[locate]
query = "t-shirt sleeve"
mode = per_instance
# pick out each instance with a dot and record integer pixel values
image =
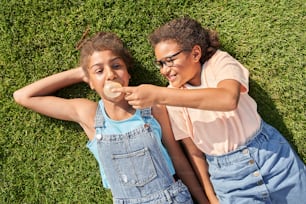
(178, 122)
(227, 67)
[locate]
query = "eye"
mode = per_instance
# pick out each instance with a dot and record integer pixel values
(169, 60)
(116, 66)
(98, 71)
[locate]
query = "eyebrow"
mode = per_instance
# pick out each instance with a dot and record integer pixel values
(99, 64)
(170, 56)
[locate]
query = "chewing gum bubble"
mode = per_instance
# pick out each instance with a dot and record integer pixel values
(108, 86)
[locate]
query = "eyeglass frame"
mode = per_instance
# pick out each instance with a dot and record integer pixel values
(169, 62)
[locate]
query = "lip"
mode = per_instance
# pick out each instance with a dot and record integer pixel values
(171, 77)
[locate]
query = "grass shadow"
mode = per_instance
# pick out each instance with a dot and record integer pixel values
(143, 75)
(269, 112)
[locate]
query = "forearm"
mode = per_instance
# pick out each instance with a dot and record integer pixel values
(200, 166)
(49, 84)
(181, 164)
(206, 99)
(187, 175)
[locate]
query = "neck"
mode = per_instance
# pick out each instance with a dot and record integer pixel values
(118, 111)
(196, 80)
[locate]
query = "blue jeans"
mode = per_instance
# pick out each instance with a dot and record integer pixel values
(264, 170)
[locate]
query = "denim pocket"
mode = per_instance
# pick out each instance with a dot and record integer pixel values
(135, 168)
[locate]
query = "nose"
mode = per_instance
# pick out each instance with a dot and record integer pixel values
(111, 74)
(164, 69)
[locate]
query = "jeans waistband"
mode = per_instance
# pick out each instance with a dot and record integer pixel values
(242, 151)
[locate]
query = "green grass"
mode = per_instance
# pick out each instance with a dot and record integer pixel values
(46, 161)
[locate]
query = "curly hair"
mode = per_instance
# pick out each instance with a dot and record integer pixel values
(187, 33)
(104, 41)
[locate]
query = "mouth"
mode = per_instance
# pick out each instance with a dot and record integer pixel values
(171, 77)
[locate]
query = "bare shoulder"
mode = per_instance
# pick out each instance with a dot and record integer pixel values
(86, 111)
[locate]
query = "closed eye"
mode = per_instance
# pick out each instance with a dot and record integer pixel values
(116, 66)
(99, 70)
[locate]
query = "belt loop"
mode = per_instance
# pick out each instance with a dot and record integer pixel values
(217, 162)
(167, 195)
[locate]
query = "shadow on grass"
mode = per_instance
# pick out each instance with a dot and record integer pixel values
(143, 75)
(269, 112)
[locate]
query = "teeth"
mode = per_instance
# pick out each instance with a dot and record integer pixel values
(108, 86)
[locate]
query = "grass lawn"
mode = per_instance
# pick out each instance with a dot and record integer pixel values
(46, 161)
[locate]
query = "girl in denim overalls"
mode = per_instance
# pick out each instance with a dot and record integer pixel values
(127, 143)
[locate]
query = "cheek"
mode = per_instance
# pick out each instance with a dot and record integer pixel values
(96, 81)
(98, 77)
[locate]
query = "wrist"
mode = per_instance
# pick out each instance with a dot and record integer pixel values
(161, 96)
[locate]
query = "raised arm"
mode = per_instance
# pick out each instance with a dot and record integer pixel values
(223, 98)
(38, 97)
(180, 162)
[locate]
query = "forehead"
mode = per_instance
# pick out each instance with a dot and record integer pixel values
(166, 48)
(101, 57)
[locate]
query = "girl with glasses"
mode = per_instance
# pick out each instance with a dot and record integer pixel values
(211, 111)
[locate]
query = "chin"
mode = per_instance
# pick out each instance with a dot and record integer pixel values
(175, 85)
(115, 99)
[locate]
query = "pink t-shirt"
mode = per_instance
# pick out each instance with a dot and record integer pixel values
(216, 132)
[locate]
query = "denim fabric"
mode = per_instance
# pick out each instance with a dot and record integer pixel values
(177, 193)
(140, 117)
(265, 170)
(135, 167)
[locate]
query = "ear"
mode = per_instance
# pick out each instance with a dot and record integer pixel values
(196, 53)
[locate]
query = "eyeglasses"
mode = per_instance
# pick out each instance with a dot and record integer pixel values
(169, 61)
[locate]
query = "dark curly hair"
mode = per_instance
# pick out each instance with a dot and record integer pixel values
(187, 33)
(104, 41)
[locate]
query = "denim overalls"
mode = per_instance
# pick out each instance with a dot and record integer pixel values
(134, 165)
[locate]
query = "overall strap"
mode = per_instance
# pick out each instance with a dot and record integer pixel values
(146, 113)
(99, 119)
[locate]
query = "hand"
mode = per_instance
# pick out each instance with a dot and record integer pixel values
(83, 75)
(141, 96)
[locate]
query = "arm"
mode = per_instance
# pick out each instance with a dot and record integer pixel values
(223, 98)
(200, 166)
(37, 97)
(180, 162)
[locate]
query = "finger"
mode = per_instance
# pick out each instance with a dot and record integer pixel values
(136, 107)
(125, 89)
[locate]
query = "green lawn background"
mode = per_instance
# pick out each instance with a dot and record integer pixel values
(46, 161)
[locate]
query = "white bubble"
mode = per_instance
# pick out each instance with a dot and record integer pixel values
(108, 86)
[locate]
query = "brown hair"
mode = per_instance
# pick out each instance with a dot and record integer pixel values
(187, 33)
(104, 41)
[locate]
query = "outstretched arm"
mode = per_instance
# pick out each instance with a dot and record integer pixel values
(223, 98)
(38, 97)
(180, 162)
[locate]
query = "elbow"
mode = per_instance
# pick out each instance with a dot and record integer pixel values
(18, 97)
(231, 103)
